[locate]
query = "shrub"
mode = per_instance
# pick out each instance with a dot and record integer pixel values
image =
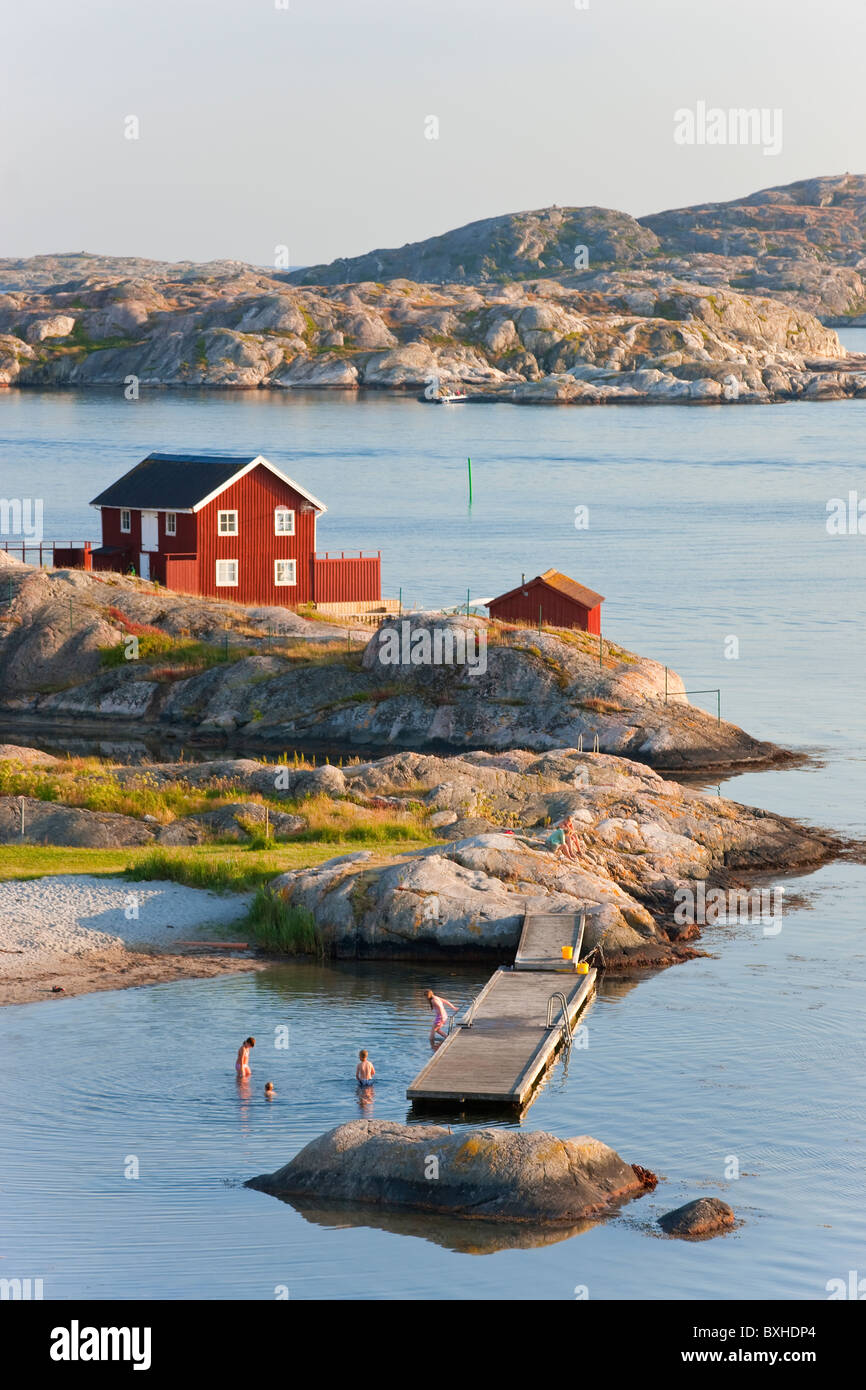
(285, 927)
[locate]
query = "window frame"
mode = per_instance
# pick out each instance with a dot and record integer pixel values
(231, 511)
(286, 583)
(284, 511)
(125, 512)
(227, 583)
(171, 530)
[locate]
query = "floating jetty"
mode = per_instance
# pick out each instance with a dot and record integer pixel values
(504, 1042)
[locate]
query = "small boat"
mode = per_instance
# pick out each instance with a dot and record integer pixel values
(449, 398)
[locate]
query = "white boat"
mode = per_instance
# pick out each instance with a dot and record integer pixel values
(449, 398)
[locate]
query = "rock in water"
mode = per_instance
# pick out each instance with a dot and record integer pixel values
(707, 1216)
(483, 1174)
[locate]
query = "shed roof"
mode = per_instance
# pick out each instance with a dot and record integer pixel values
(554, 579)
(185, 482)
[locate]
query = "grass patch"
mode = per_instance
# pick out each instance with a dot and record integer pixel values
(91, 786)
(155, 646)
(221, 868)
(284, 927)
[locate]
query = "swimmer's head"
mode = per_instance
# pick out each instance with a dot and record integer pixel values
(269, 1086)
(363, 1054)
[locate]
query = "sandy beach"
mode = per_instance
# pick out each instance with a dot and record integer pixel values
(86, 933)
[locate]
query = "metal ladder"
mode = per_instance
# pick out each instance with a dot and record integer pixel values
(564, 1023)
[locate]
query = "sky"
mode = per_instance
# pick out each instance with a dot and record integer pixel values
(304, 124)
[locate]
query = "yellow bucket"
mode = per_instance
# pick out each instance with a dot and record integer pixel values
(582, 967)
(567, 952)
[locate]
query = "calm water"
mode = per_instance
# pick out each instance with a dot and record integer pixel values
(704, 524)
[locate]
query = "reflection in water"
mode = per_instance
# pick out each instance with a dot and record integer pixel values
(453, 1233)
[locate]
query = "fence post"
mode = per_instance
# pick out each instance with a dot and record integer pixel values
(666, 685)
(600, 661)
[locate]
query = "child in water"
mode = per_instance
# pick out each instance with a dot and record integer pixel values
(364, 1071)
(269, 1090)
(242, 1064)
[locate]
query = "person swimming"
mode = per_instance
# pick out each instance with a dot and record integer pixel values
(269, 1090)
(440, 1007)
(364, 1071)
(242, 1063)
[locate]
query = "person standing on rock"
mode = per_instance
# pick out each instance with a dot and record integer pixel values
(440, 1007)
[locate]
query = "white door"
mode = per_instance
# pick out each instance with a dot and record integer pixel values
(149, 531)
(144, 565)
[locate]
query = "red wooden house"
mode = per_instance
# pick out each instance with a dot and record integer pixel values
(233, 528)
(553, 599)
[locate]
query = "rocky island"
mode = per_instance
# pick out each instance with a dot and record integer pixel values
(208, 670)
(719, 304)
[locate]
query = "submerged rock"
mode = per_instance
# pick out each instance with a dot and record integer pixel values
(706, 1216)
(483, 1174)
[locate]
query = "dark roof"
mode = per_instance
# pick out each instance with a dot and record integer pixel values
(587, 598)
(171, 482)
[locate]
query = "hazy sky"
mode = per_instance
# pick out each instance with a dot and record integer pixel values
(262, 126)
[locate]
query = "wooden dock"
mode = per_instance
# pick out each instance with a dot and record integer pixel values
(504, 1042)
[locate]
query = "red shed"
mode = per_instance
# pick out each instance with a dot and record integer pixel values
(550, 598)
(234, 528)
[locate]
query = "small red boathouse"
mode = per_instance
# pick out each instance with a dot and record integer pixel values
(553, 599)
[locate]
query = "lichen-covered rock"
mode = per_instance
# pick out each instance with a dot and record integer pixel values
(643, 838)
(484, 1175)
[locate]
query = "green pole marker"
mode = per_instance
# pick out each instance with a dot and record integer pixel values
(600, 662)
(467, 603)
(666, 685)
(469, 466)
(401, 598)
(719, 705)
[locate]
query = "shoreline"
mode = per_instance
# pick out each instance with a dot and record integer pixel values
(86, 933)
(110, 728)
(117, 969)
(495, 396)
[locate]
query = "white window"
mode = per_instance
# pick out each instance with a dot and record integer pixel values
(227, 523)
(285, 572)
(284, 522)
(125, 520)
(227, 574)
(171, 523)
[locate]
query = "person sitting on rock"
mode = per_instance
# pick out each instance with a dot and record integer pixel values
(564, 842)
